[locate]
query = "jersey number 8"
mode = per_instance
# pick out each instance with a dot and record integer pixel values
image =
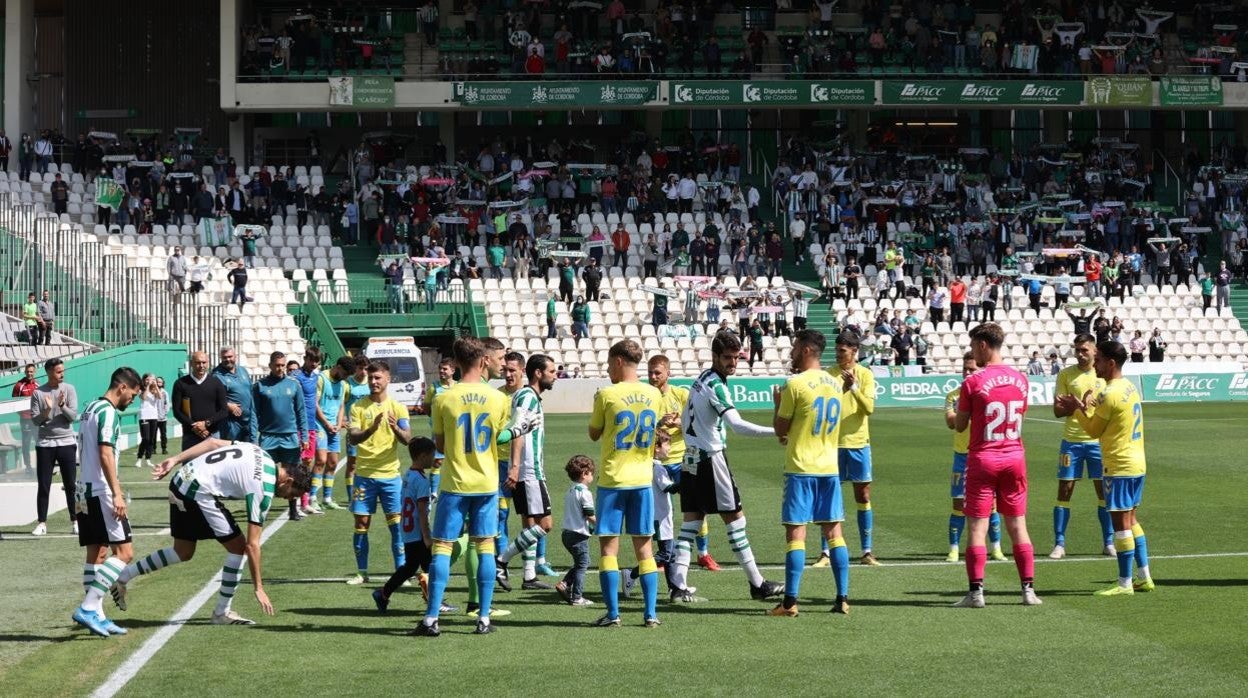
(642, 424)
(478, 436)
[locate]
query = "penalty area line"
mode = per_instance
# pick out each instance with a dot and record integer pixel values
(132, 666)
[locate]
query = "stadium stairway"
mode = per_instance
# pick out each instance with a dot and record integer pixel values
(819, 315)
(367, 311)
(1239, 302)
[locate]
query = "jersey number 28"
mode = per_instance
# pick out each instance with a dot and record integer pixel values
(636, 430)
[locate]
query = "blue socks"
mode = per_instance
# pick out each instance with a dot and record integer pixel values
(1107, 524)
(485, 578)
(360, 543)
(396, 539)
(840, 566)
(649, 586)
(994, 528)
(609, 578)
(866, 518)
(794, 564)
(439, 573)
(957, 524)
(1061, 517)
(541, 550)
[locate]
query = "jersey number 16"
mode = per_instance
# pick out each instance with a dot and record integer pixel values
(478, 436)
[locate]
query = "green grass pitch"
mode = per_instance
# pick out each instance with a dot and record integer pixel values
(901, 638)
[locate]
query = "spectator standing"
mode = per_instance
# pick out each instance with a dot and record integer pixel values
(176, 267)
(149, 411)
(25, 157)
(238, 278)
(620, 242)
(394, 288)
(1137, 347)
(60, 194)
(47, 316)
(957, 299)
(162, 416)
(43, 152)
(54, 409)
(24, 388)
(428, 14)
(1055, 364)
(592, 276)
(567, 276)
(6, 147)
(30, 317)
(200, 403)
(580, 319)
(1206, 291)
(936, 300)
(1222, 282)
(1156, 347)
(1035, 367)
(552, 314)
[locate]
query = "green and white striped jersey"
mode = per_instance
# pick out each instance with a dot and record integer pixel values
(526, 411)
(703, 421)
(99, 426)
(238, 471)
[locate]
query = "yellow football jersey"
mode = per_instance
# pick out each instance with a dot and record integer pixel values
(378, 455)
(1073, 380)
(856, 407)
(811, 401)
(674, 400)
(628, 415)
(1122, 442)
(469, 417)
(503, 451)
(961, 439)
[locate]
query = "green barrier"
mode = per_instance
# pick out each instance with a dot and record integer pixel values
(90, 374)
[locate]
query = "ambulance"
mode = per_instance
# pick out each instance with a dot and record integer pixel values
(407, 373)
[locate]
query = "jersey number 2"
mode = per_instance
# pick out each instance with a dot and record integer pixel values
(1137, 430)
(999, 413)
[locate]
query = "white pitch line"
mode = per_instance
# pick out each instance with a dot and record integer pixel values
(16, 537)
(883, 565)
(128, 670)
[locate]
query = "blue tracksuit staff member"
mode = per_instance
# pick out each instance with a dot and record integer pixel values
(278, 423)
(238, 394)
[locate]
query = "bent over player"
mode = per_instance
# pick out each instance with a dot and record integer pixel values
(209, 472)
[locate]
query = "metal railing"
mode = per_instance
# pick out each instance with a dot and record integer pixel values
(100, 298)
(314, 325)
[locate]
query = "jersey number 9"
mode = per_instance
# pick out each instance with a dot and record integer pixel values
(827, 414)
(636, 430)
(478, 436)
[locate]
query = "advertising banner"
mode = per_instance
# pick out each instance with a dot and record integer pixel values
(1199, 91)
(911, 391)
(763, 93)
(1193, 387)
(555, 95)
(1119, 92)
(362, 91)
(982, 92)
